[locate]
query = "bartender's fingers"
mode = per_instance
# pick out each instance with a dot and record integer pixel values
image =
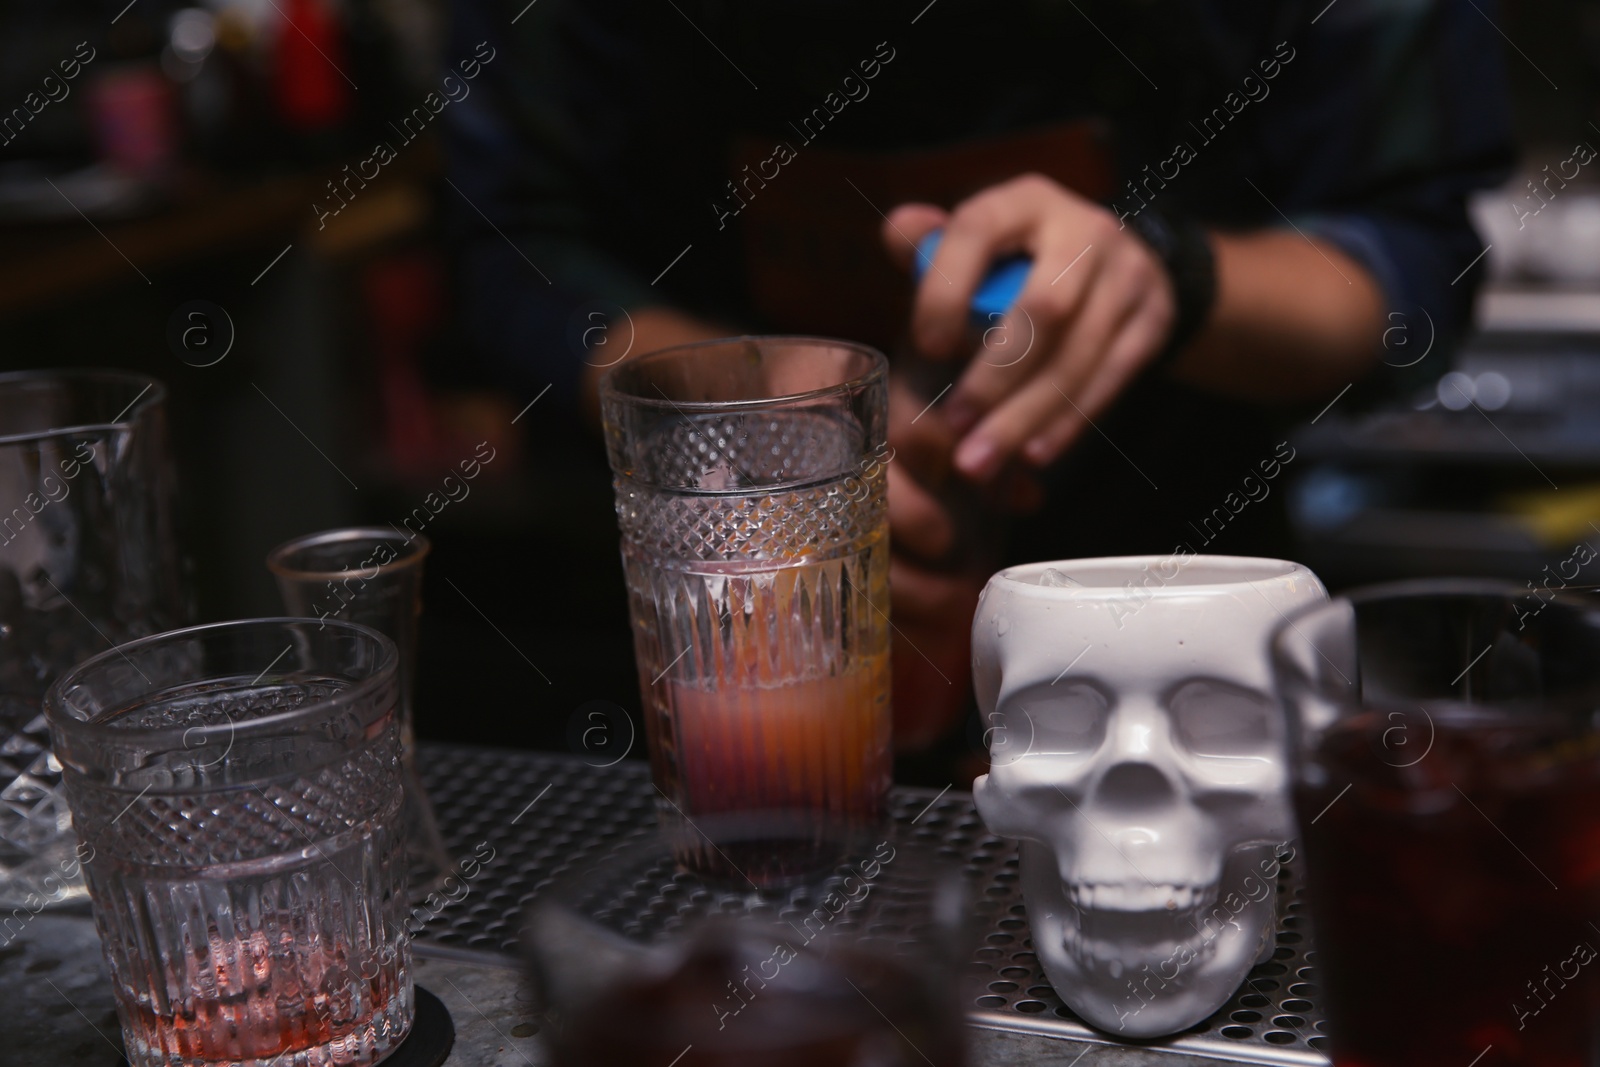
(905, 227)
(1038, 402)
(1093, 361)
(1143, 334)
(918, 523)
(1122, 289)
(920, 596)
(1025, 342)
(1000, 220)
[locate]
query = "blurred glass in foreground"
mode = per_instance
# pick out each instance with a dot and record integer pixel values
(1448, 794)
(639, 963)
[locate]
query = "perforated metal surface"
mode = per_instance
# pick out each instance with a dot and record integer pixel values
(541, 814)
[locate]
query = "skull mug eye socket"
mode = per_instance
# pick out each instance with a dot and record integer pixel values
(1065, 719)
(1216, 718)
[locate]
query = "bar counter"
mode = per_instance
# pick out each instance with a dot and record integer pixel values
(517, 820)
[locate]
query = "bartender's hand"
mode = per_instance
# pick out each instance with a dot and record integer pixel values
(933, 596)
(924, 443)
(1096, 308)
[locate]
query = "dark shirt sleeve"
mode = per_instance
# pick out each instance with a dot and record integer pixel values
(585, 164)
(1393, 115)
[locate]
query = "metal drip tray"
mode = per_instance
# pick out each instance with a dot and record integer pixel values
(524, 818)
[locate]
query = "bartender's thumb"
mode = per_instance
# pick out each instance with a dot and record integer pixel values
(905, 227)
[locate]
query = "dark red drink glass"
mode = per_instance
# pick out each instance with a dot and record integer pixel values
(1447, 785)
(639, 962)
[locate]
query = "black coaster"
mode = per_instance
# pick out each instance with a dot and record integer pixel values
(428, 1044)
(431, 1038)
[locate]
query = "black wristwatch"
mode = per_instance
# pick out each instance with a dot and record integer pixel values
(1185, 250)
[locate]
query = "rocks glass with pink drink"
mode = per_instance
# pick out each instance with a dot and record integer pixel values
(236, 788)
(750, 477)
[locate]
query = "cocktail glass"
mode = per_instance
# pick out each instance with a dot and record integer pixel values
(88, 559)
(750, 477)
(1447, 768)
(373, 576)
(855, 965)
(236, 788)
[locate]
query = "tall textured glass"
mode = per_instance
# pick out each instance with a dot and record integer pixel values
(750, 477)
(88, 558)
(236, 789)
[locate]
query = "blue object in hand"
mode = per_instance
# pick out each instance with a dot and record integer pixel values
(996, 292)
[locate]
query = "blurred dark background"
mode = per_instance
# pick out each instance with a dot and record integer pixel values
(168, 179)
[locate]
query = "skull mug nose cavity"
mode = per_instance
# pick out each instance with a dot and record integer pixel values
(1134, 788)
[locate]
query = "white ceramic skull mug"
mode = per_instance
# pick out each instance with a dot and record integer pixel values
(1137, 752)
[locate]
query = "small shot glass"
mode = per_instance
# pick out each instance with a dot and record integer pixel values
(372, 575)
